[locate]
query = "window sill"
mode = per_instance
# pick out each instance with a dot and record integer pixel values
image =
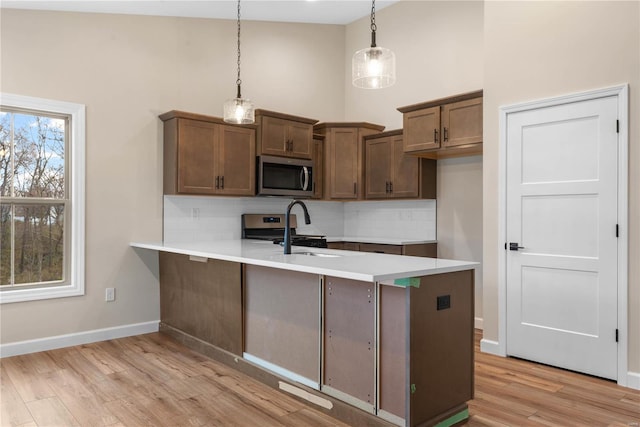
(34, 294)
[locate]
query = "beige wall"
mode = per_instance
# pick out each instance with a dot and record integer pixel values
(438, 47)
(535, 50)
(127, 70)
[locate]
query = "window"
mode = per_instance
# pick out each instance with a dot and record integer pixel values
(41, 198)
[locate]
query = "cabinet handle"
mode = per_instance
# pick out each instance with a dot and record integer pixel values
(390, 186)
(217, 182)
(222, 182)
(445, 134)
(355, 188)
(435, 135)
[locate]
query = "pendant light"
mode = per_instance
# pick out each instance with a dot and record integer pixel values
(373, 67)
(238, 110)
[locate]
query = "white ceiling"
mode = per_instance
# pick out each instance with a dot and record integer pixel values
(307, 11)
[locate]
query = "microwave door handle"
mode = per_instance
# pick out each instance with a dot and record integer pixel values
(304, 178)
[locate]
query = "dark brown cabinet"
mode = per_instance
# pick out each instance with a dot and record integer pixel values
(344, 158)
(429, 250)
(390, 173)
(204, 155)
(444, 127)
(426, 361)
(202, 298)
(284, 135)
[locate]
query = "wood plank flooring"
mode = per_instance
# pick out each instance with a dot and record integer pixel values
(153, 380)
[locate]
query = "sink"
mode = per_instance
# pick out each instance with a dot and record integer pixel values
(320, 254)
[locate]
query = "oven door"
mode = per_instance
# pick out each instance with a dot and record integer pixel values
(281, 176)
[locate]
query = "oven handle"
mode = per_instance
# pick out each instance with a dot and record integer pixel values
(304, 178)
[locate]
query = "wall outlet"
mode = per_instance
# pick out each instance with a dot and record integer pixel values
(110, 294)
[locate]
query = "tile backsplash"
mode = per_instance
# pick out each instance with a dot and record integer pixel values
(405, 219)
(201, 218)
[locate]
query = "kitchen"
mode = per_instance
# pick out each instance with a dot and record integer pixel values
(137, 68)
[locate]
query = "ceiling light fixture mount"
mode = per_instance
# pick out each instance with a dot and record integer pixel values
(238, 110)
(375, 66)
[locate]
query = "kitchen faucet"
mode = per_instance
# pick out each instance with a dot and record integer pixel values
(287, 224)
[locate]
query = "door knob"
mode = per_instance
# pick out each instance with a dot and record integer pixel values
(514, 246)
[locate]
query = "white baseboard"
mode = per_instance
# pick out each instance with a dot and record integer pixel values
(478, 323)
(491, 347)
(633, 380)
(79, 338)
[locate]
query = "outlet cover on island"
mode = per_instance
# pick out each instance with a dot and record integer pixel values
(110, 294)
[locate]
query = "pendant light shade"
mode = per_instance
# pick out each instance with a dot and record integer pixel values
(239, 110)
(373, 67)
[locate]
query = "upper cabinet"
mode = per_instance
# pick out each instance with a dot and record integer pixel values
(444, 127)
(344, 158)
(284, 135)
(318, 166)
(390, 173)
(205, 155)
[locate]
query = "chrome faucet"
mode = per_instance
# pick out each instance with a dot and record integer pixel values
(287, 224)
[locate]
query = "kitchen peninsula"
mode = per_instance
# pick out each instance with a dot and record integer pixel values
(370, 338)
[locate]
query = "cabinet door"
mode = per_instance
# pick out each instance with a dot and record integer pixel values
(349, 341)
(405, 180)
(343, 163)
(196, 156)
(300, 138)
(462, 123)
(236, 161)
(378, 167)
(273, 139)
(422, 129)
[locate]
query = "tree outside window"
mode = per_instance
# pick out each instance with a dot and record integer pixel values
(33, 203)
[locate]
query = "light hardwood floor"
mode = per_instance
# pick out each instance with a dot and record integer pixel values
(153, 380)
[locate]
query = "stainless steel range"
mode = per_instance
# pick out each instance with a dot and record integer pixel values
(271, 227)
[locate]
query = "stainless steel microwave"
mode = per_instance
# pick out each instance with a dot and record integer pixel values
(283, 176)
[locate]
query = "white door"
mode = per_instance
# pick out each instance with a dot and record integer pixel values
(562, 211)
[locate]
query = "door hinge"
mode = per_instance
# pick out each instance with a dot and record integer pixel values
(616, 335)
(617, 230)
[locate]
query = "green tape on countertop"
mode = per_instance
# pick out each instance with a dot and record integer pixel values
(408, 281)
(462, 415)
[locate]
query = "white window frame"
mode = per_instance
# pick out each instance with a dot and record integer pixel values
(74, 282)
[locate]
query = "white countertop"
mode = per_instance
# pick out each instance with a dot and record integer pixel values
(363, 266)
(379, 240)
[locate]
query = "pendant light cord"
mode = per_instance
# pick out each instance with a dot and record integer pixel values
(374, 27)
(238, 81)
